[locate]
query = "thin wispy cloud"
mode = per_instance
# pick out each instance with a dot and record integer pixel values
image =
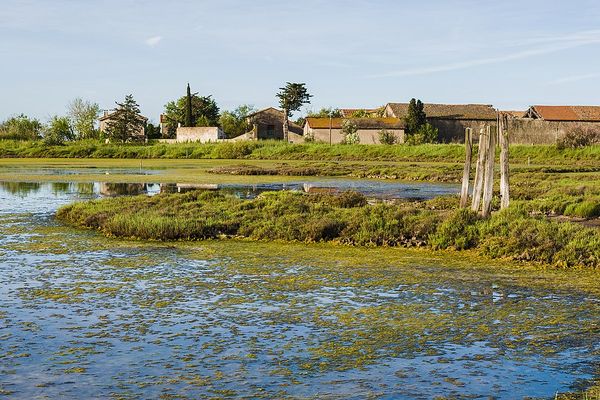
(559, 43)
(153, 41)
(574, 78)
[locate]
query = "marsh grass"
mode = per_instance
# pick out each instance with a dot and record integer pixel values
(344, 219)
(277, 150)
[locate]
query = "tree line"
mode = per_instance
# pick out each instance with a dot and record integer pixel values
(127, 124)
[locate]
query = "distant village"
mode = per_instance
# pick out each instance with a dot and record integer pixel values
(539, 124)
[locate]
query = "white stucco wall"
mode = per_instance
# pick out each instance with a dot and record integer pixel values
(201, 134)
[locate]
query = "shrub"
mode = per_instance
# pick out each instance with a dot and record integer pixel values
(426, 134)
(386, 137)
(350, 131)
(459, 231)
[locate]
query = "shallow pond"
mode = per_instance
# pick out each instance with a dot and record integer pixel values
(84, 316)
(371, 189)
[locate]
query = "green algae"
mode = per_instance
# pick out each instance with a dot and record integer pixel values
(236, 285)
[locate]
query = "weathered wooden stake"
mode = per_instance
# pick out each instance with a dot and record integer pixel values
(504, 179)
(478, 181)
(464, 192)
(488, 185)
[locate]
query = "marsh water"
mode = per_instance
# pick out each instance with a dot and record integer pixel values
(85, 316)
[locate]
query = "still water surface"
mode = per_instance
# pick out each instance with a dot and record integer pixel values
(83, 316)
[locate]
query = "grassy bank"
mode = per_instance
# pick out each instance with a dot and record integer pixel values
(343, 219)
(277, 150)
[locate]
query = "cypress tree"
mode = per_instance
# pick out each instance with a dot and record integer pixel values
(188, 108)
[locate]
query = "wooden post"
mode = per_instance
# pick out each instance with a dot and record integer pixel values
(464, 192)
(478, 181)
(488, 185)
(504, 180)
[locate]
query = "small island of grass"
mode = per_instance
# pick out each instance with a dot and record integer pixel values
(345, 218)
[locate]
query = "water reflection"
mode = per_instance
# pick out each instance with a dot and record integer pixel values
(378, 190)
(122, 189)
(20, 189)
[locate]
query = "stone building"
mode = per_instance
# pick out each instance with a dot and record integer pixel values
(268, 124)
(450, 119)
(197, 134)
(549, 124)
(329, 130)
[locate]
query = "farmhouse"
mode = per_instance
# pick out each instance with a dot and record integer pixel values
(329, 130)
(268, 124)
(108, 116)
(549, 124)
(450, 119)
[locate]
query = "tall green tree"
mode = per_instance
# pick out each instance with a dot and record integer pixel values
(126, 123)
(20, 127)
(152, 131)
(205, 112)
(235, 123)
(83, 115)
(415, 117)
(325, 112)
(188, 107)
(291, 97)
(58, 131)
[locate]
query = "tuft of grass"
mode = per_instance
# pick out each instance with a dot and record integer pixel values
(585, 209)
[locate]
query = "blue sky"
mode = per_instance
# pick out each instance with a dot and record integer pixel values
(358, 53)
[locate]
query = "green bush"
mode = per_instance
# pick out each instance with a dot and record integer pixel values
(459, 231)
(387, 137)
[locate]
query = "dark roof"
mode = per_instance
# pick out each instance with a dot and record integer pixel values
(514, 114)
(449, 111)
(565, 113)
(109, 115)
(361, 123)
(268, 109)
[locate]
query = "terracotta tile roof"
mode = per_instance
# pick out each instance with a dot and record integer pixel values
(567, 113)
(449, 111)
(361, 123)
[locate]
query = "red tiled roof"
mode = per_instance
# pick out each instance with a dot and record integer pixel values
(361, 123)
(568, 113)
(449, 111)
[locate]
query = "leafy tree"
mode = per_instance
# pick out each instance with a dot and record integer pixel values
(234, 123)
(291, 98)
(205, 112)
(20, 127)
(152, 131)
(415, 117)
(58, 131)
(325, 112)
(126, 122)
(350, 131)
(83, 115)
